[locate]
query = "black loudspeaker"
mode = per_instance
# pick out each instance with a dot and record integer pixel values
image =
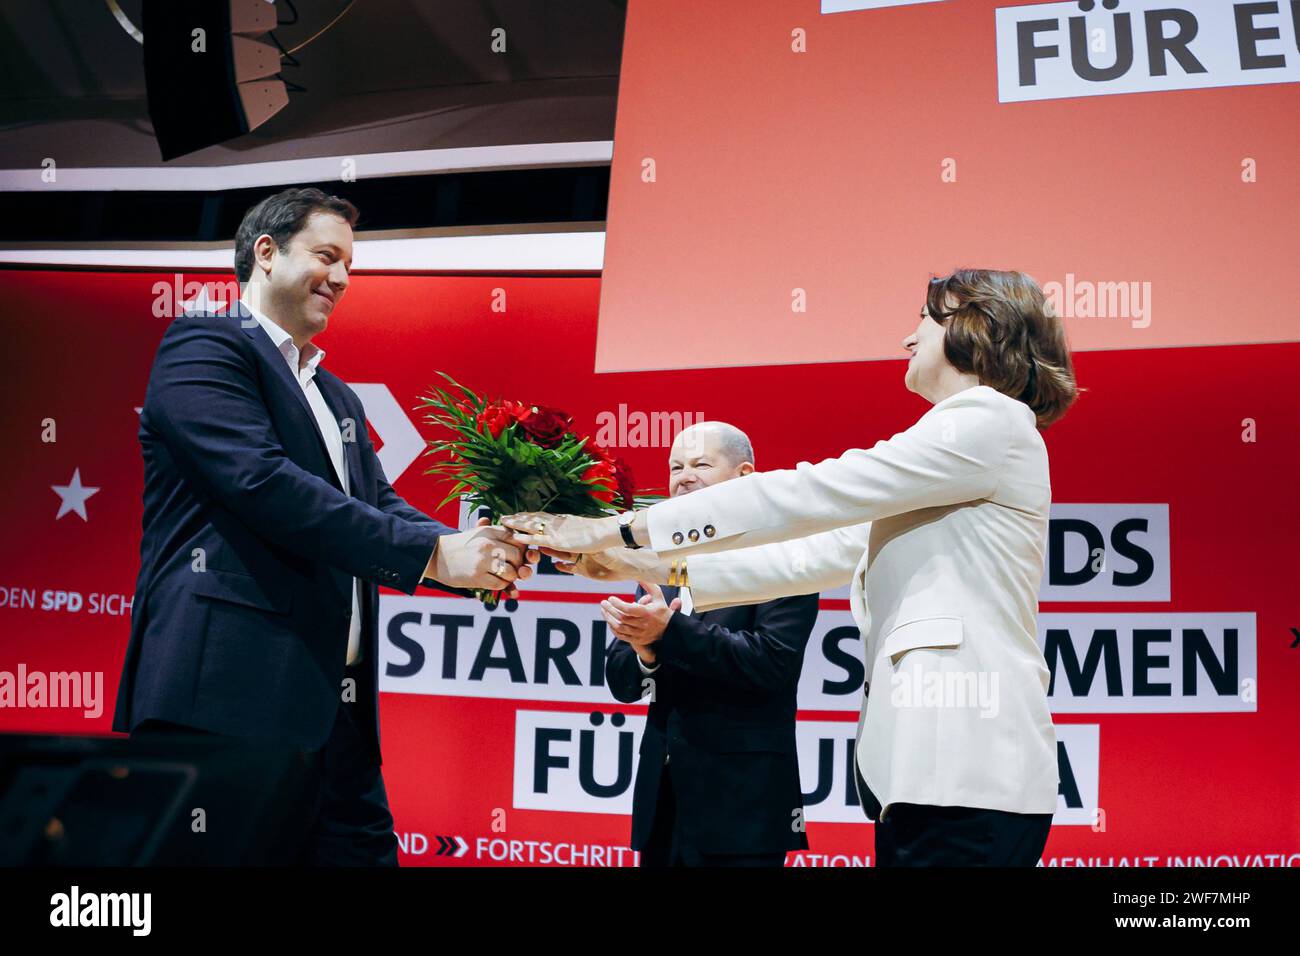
(156, 800)
(206, 79)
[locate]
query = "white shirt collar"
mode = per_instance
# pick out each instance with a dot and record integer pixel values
(283, 341)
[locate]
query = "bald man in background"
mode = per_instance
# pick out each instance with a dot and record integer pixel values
(718, 782)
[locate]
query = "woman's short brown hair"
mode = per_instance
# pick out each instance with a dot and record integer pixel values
(1000, 327)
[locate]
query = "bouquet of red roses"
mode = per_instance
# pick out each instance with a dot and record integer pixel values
(508, 457)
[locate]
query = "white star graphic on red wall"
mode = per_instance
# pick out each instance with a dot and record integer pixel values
(72, 496)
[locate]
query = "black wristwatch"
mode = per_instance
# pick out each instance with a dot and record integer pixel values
(625, 529)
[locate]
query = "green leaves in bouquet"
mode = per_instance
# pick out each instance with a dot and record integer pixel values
(507, 473)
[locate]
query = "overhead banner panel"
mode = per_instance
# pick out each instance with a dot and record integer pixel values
(787, 174)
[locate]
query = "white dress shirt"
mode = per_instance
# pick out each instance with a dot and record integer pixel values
(329, 429)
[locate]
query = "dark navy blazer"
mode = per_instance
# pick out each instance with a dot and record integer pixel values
(240, 619)
(722, 719)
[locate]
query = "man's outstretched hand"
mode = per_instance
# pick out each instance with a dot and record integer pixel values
(483, 557)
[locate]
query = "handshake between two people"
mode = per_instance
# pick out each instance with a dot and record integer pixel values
(594, 548)
(495, 557)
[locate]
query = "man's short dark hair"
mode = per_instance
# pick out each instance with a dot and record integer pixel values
(282, 217)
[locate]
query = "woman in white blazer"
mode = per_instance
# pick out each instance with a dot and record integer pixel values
(941, 531)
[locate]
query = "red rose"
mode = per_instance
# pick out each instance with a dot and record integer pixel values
(603, 480)
(493, 420)
(545, 426)
(626, 488)
(598, 453)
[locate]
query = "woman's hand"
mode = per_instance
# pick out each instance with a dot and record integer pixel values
(537, 529)
(614, 564)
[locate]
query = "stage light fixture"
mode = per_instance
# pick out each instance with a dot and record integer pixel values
(207, 79)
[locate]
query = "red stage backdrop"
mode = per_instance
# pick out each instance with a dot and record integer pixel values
(1167, 610)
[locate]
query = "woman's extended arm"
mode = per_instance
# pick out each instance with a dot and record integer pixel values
(952, 454)
(818, 562)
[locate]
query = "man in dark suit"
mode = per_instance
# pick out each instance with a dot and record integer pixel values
(718, 779)
(268, 526)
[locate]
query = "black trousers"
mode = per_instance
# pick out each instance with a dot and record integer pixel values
(919, 835)
(667, 848)
(913, 834)
(346, 801)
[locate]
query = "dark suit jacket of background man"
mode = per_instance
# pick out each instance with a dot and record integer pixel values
(254, 644)
(723, 719)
